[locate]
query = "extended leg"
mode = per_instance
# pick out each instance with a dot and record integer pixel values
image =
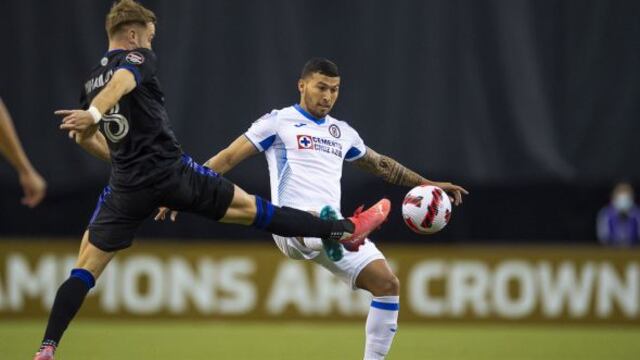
(284, 221)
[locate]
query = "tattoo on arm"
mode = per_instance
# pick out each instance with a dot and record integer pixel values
(390, 170)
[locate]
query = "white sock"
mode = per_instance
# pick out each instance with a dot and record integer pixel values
(381, 327)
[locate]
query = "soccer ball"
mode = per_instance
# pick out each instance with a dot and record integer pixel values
(426, 209)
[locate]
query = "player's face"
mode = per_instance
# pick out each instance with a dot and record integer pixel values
(146, 35)
(319, 93)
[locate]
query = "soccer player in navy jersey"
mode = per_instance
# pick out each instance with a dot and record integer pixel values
(125, 122)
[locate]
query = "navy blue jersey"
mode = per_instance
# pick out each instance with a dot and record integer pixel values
(142, 144)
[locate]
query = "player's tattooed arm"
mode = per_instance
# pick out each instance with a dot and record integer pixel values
(395, 173)
(389, 169)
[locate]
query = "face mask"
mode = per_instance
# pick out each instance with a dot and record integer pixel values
(622, 202)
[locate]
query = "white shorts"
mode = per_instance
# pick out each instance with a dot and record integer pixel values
(346, 269)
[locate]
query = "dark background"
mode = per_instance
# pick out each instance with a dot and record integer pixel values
(531, 105)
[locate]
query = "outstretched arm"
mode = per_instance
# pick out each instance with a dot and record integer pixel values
(122, 83)
(83, 124)
(33, 184)
(395, 173)
(240, 149)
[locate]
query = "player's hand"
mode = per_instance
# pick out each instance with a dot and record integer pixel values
(455, 192)
(79, 120)
(34, 188)
(162, 214)
(82, 136)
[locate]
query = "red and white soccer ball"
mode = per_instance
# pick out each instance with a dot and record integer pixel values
(426, 209)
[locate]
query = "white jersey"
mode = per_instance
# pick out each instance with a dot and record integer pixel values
(305, 156)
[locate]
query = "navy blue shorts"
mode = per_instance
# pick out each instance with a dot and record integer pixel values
(189, 187)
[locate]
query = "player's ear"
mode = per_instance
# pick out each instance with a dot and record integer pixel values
(132, 35)
(301, 84)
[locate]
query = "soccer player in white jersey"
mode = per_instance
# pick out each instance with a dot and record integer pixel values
(305, 149)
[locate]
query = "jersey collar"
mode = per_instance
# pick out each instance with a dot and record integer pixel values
(309, 116)
(111, 52)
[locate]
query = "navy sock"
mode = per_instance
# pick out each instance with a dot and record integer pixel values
(69, 298)
(286, 221)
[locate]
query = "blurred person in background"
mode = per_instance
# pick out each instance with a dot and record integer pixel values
(32, 183)
(618, 223)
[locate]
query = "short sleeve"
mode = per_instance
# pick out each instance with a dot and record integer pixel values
(262, 132)
(141, 63)
(357, 149)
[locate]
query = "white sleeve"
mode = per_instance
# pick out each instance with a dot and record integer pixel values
(357, 149)
(262, 132)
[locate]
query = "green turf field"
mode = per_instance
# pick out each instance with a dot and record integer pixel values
(88, 340)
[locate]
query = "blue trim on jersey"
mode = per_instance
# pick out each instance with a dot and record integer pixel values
(202, 170)
(309, 116)
(134, 70)
(283, 182)
(352, 153)
(281, 158)
(385, 306)
(105, 192)
(257, 146)
(266, 143)
(85, 276)
(111, 52)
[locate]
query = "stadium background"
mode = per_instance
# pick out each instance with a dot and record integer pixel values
(531, 105)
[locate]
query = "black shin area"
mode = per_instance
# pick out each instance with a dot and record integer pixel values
(69, 298)
(286, 221)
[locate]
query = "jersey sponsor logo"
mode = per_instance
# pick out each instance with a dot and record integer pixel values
(305, 142)
(134, 58)
(334, 130)
(114, 125)
(328, 146)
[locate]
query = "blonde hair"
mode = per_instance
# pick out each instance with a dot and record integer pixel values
(127, 12)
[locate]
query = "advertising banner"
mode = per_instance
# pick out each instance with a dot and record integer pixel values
(256, 281)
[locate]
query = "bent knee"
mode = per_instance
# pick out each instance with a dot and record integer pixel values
(388, 286)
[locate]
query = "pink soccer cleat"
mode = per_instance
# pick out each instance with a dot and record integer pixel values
(365, 222)
(46, 353)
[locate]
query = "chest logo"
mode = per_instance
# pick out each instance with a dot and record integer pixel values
(300, 125)
(334, 130)
(305, 142)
